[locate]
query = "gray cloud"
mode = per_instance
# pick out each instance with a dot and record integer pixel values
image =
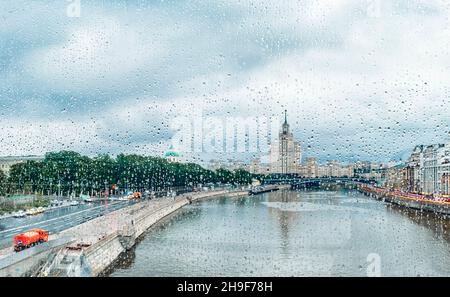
(356, 86)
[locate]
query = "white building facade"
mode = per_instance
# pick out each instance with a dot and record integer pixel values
(444, 170)
(428, 170)
(285, 153)
(7, 162)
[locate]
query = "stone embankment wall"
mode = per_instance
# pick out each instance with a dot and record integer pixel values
(422, 205)
(105, 238)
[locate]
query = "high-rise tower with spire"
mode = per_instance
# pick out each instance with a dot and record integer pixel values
(285, 152)
(285, 128)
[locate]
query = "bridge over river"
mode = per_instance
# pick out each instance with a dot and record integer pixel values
(306, 182)
(312, 232)
(325, 231)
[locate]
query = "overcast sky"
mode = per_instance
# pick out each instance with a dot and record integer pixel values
(360, 79)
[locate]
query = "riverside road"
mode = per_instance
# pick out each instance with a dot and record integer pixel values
(56, 220)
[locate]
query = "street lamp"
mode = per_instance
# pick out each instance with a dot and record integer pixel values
(59, 187)
(106, 183)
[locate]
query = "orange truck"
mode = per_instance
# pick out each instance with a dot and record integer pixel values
(30, 238)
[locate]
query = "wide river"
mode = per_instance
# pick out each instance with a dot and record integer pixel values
(293, 233)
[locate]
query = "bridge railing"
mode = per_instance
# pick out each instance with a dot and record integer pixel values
(305, 180)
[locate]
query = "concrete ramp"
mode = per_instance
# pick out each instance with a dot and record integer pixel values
(65, 263)
(99, 242)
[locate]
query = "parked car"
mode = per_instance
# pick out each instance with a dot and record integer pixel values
(20, 214)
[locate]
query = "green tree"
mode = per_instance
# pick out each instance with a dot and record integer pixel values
(69, 172)
(3, 183)
(224, 176)
(242, 177)
(26, 177)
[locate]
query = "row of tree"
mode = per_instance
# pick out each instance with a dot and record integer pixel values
(70, 172)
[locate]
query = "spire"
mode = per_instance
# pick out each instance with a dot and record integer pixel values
(285, 124)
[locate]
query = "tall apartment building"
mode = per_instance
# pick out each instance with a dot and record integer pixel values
(396, 177)
(414, 170)
(444, 170)
(311, 167)
(430, 177)
(285, 153)
(428, 170)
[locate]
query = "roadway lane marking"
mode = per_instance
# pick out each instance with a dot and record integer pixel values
(55, 223)
(57, 218)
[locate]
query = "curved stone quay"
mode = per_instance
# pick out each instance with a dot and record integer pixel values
(293, 233)
(403, 200)
(91, 247)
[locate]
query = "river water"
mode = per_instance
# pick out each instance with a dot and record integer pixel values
(293, 233)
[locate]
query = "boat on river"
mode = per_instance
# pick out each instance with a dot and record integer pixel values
(263, 189)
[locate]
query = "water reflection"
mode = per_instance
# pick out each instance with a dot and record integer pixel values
(437, 223)
(293, 233)
(285, 219)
